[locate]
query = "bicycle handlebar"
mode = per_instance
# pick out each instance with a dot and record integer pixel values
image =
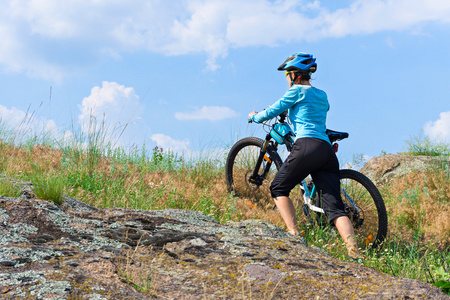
(282, 117)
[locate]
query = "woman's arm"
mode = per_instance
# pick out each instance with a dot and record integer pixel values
(284, 103)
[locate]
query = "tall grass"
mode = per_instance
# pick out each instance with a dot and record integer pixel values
(91, 169)
(95, 171)
(8, 187)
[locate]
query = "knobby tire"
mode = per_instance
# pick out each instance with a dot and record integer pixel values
(372, 232)
(240, 164)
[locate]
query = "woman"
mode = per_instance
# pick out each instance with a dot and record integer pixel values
(312, 152)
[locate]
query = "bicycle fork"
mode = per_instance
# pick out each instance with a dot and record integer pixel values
(256, 178)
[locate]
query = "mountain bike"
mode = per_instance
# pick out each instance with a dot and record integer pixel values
(252, 164)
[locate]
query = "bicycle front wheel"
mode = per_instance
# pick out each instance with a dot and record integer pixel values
(240, 165)
(365, 208)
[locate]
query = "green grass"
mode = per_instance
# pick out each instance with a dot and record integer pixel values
(423, 261)
(49, 187)
(8, 188)
(423, 145)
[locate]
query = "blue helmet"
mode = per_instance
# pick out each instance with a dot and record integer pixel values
(299, 62)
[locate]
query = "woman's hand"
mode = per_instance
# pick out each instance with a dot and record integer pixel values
(250, 116)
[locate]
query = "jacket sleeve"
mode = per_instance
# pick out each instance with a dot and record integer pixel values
(284, 103)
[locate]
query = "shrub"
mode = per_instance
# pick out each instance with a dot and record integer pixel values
(49, 187)
(423, 145)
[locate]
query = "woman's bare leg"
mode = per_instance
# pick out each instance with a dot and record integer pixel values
(343, 224)
(345, 228)
(287, 211)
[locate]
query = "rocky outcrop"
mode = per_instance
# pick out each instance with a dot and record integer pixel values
(79, 252)
(382, 169)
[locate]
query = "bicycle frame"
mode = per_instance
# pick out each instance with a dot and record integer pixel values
(308, 195)
(281, 133)
(369, 218)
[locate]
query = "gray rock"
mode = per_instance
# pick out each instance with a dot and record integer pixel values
(382, 169)
(76, 251)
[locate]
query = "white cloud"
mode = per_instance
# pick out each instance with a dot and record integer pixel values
(182, 149)
(17, 55)
(212, 113)
(112, 108)
(167, 142)
(43, 37)
(18, 126)
(13, 117)
(369, 16)
(439, 130)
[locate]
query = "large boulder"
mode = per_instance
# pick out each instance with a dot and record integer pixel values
(382, 169)
(75, 251)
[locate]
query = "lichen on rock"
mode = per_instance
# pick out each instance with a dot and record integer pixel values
(382, 169)
(76, 251)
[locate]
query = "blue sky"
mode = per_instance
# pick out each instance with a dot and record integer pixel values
(185, 74)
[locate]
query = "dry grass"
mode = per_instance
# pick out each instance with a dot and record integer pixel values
(112, 183)
(135, 269)
(16, 160)
(419, 206)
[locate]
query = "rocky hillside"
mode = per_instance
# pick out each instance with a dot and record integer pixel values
(382, 169)
(75, 251)
(416, 191)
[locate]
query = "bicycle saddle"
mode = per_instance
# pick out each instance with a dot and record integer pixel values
(336, 135)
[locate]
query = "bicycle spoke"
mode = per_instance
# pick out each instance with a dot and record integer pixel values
(240, 167)
(365, 208)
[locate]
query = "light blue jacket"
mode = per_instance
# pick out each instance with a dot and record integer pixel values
(308, 107)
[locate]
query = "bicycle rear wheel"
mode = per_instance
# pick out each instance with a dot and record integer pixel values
(365, 208)
(240, 164)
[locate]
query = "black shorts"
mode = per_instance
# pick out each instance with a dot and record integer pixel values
(316, 157)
